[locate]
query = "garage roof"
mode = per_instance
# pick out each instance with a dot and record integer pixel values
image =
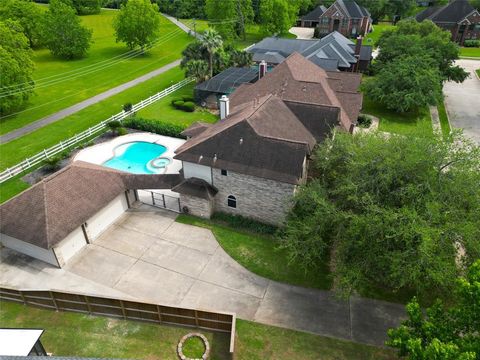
(46, 213)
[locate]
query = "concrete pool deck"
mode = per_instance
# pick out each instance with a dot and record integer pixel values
(98, 154)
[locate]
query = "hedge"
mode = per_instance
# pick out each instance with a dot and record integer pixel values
(154, 126)
(472, 43)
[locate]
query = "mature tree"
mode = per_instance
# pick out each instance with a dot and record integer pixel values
(394, 213)
(16, 67)
(475, 4)
(223, 16)
(277, 16)
(28, 15)
(406, 84)
(137, 24)
(245, 16)
(411, 38)
(239, 58)
(85, 7)
(444, 333)
(377, 8)
(212, 42)
(197, 69)
(398, 9)
(63, 33)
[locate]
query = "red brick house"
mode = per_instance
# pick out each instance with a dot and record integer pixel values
(344, 16)
(458, 16)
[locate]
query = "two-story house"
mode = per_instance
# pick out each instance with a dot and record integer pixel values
(251, 162)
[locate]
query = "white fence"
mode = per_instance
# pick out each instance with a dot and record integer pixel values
(63, 145)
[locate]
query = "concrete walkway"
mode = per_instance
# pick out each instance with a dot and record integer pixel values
(149, 257)
(437, 127)
(462, 101)
(180, 25)
(84, 104)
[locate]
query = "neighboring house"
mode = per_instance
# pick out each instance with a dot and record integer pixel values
(251, 162)
(313, 17)
(458, 17)
(209, 92)
(346, 17)
(332, 52)
(57, 217)
(21, 343)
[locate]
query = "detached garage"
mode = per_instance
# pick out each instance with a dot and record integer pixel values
(54, 219)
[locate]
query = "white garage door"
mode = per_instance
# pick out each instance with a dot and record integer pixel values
(29, 249)
(106, 217)
(69, 246)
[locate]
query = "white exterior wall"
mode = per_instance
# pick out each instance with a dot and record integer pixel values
(198, 171)
(99, 222)
(69, 246)
(34, 251)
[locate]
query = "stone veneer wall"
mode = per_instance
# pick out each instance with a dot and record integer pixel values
(257, 198)
(196, 206)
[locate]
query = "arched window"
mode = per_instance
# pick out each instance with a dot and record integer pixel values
(232, 201)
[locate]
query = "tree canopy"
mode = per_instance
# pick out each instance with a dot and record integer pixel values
(28, 15)
(392, 212)
(63, 33)
(16, 67)
(229, 18)
(277, 16)
(137, 24)
(445, 333)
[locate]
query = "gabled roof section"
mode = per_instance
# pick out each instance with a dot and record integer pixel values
(298, 79)
(453, 12)
(352, 9)
(196, 187)
(195, 129)
(315, 14)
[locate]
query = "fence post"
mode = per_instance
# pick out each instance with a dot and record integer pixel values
(54, 301)
(23, 297)
(196, 318)
(123, 310)
(159, 314)
(163, 198)
(45, 153)
(88, 304)
(153, 198)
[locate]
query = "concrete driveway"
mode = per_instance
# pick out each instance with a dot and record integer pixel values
(463, 101)
(150, 257)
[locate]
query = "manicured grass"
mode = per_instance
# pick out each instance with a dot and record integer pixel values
(12, 187)
(478, 72)
(163, 110)
(253, 33)
(103, 68)
(260, 254)
(30, 144)
(72, 334)
(193, 348)
(398, 123)
(470, 52)
(442, 112)
(378, 29)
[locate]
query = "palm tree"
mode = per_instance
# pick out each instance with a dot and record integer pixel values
(212, 41)
(197, 69)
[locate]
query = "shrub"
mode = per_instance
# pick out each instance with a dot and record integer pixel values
(188, 98)
(53, 163)
(364, 121)
(188, 106)
(127, 107)
(472, 43)
(174, 100)
(154, 126)
(243, 223)
(178, 104)
(122, 131)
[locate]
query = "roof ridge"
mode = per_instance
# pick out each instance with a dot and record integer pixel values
(45, 212)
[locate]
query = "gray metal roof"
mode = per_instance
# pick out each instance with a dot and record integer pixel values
(315, 14)
(228, 80)
(353, 9)
(332, 49)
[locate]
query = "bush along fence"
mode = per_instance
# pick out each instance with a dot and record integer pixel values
(87, 134)
(125, 309)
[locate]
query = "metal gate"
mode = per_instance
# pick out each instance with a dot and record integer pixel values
(160, 200)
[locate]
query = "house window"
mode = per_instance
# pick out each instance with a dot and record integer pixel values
(232, 201)
(224, 172)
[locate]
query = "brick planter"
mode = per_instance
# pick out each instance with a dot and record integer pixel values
(205, 355)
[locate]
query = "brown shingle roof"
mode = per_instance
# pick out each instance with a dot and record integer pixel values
(195, 129)
(47, 212)
(297, 79)
(261, 138)
(196, 187)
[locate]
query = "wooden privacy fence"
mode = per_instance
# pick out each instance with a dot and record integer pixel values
(124, 309)
(89, 133)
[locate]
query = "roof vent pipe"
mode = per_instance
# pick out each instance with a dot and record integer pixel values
(262, 69)
(224, 107)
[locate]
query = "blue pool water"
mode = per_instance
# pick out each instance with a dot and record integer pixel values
(138, 158)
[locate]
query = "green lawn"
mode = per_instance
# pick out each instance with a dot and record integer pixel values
(61, 83)
(470, 52)
(72, 334)
(12, 187)
(372, 38)
(259, 254)
(442, 112)
(478, 72)
(163, 110)
(253, 32)
(30, 144)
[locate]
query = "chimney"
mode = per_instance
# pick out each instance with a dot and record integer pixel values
(224, 107)
(358, 46)
(262, 69)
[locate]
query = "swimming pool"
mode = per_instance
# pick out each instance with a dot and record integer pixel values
(139, 157)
